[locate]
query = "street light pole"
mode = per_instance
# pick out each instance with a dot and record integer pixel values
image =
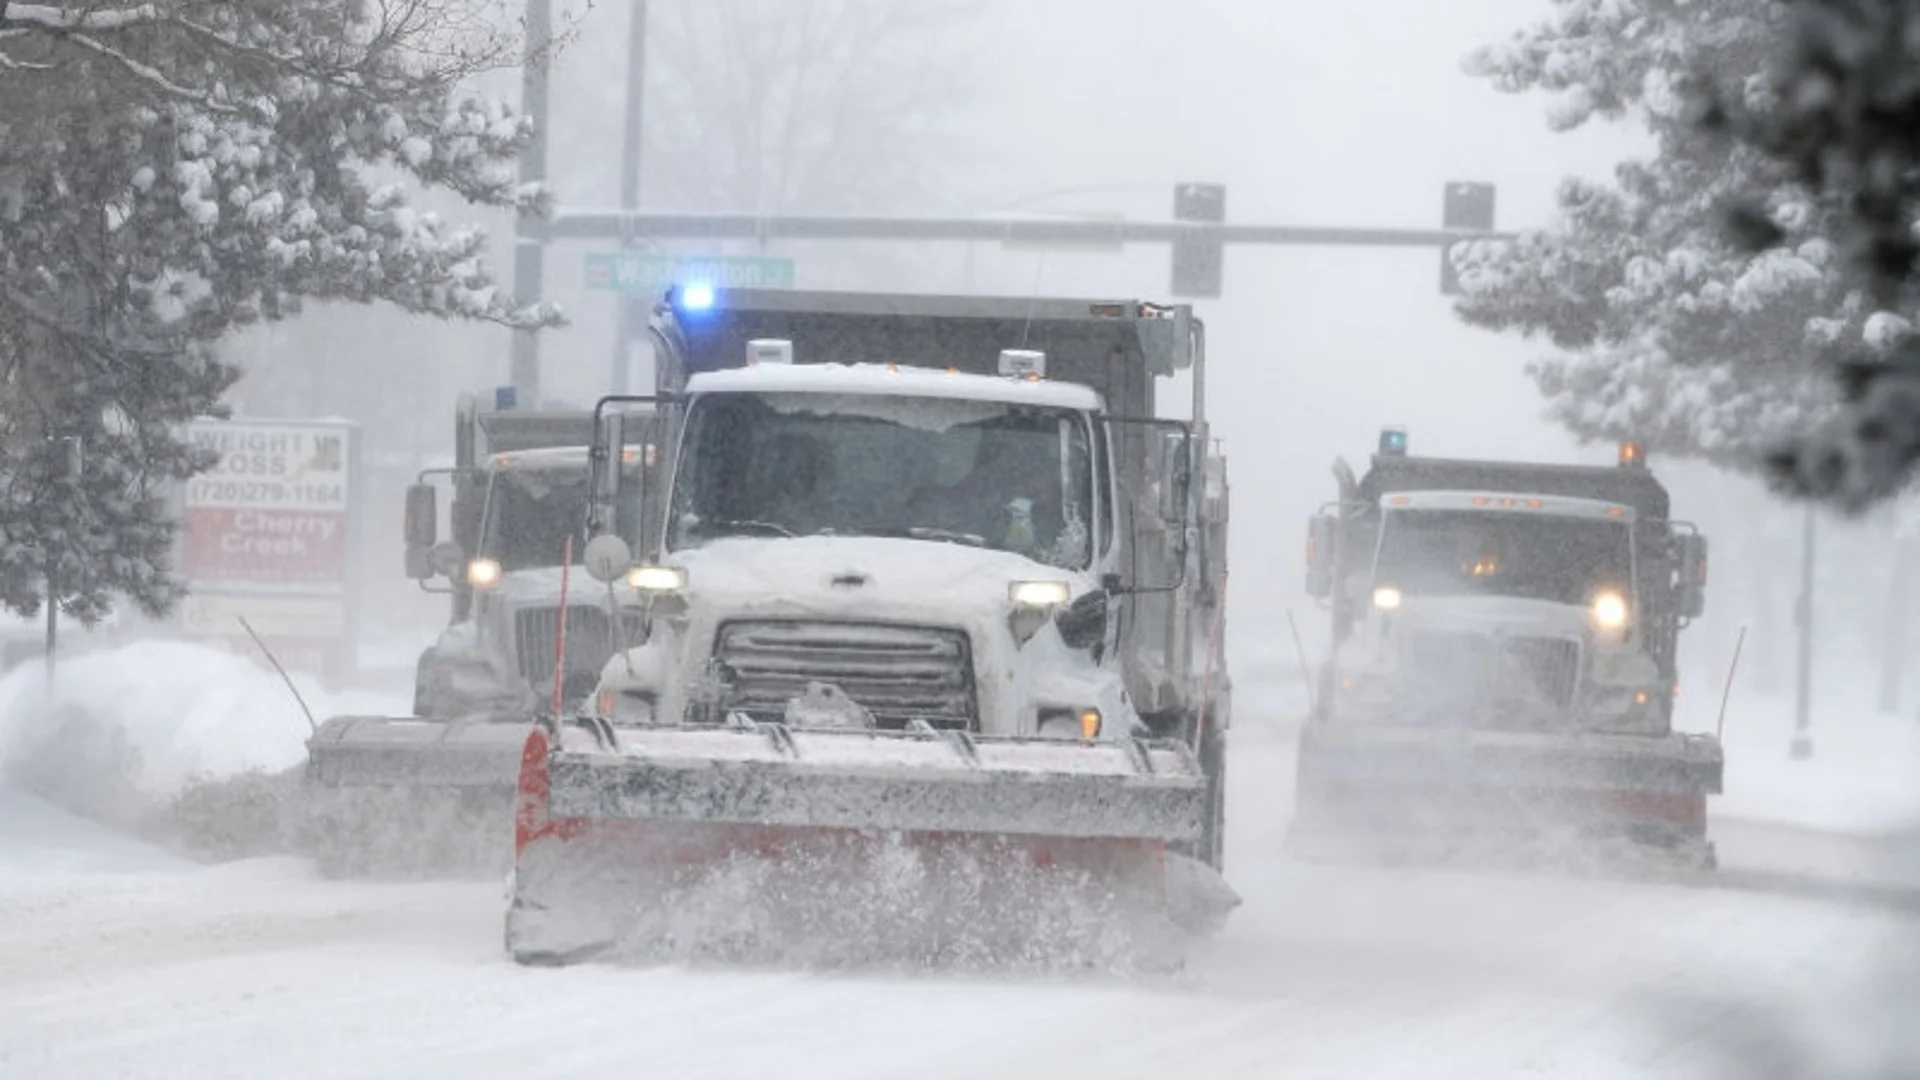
(630, 158)
(1802, 746)
(53, 621)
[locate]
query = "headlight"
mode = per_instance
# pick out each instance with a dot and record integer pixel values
(1386, 598)
(1610, 610)
(1039, 594)
(483, 573)
(658, 579)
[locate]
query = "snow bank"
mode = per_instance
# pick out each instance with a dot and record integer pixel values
(39, 841)
(1863, 777)
(131, 727)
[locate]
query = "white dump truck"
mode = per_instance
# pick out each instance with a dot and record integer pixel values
(922, 573)
(1504, 666)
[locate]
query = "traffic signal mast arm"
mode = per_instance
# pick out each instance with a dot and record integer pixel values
(616, 224)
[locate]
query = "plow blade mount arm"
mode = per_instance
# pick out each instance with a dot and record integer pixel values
(918, 780)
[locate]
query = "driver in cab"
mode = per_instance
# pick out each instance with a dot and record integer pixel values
(1010, 498)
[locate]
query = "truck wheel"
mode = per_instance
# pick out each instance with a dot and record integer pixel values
(421, 696)
(1213, 758)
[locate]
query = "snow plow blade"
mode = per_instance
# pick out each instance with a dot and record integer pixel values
(410, 797)
(760, 841)
(1569, 800)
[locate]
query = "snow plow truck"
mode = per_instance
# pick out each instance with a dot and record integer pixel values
(433, 793)
(931, 659)
(1503, 668)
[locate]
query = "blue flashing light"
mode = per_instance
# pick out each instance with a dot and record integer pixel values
(1393, 441)
(696, 296)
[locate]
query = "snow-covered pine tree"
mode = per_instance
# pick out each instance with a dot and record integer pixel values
(1666, 330)
(1841, 116)
(173, 169)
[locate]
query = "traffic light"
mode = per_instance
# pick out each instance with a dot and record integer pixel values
(1197, 257)
(1468, 207)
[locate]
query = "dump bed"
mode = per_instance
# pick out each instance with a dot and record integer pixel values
(1117, 347)
(507, 431)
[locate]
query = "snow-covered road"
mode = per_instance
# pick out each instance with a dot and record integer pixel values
(119, 960)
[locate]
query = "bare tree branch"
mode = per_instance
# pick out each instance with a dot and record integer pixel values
(150, 75)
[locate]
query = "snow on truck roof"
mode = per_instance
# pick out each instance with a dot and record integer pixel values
(896, 381)
(1507, 502)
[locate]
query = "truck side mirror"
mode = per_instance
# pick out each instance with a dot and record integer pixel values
(611, 442)
(1322, 532)
(419, 562)
(447, 557)
(423, 516)
(422, 529)
(1083, 623)
(1693, 575)
(608, 557)
(1174, 494)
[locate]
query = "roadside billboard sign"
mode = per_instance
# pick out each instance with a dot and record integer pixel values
(270, 534)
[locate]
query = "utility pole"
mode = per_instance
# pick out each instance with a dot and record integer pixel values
(529, 254)
(1802, 746)
(631, 144)
(1899, 602)
(53, 620)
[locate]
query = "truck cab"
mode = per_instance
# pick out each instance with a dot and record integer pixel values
(520, 489)
(1503, 666)
(1505, 596)
(930, 545)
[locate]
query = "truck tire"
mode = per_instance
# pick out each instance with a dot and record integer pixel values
(422, 698)
(1213, 758)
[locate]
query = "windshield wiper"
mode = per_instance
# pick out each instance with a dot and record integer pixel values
(763, 526)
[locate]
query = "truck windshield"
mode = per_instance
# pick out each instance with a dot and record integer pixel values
(984, 474)
(530, 514)
(1550, 557)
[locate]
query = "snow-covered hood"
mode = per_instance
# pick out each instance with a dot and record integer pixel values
(876, 577)
(902, 582)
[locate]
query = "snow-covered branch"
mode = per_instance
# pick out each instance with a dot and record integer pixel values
(1664, 329)
(1842, 118)
(149, 74)
(187, 168)
(88, 18)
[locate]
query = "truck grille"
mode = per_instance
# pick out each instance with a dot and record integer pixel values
(1454, 671)
(898, 673)
(589, 642)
